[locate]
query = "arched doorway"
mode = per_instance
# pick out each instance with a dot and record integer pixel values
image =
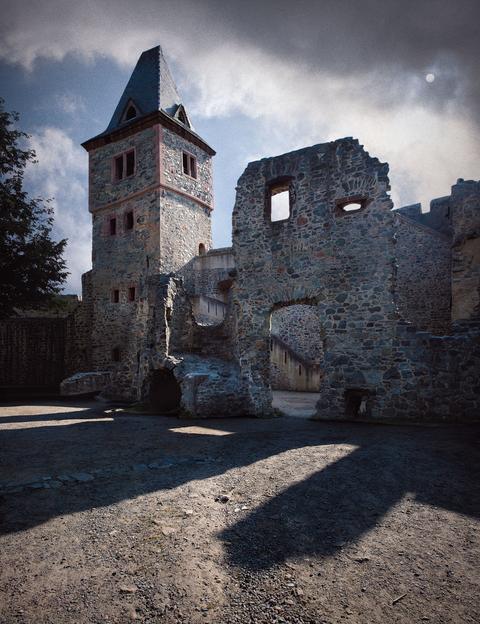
(296, 358)
(165, 392)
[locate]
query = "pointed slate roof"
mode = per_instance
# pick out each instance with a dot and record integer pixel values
(151, 88)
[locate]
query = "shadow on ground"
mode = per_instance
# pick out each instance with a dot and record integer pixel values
(333, 507)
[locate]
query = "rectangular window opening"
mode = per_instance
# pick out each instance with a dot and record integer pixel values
(129, 163)
(279, 203)
(129, 220)
(189, 165)
(115, 296)
(131, 293)
(113, 226)
(119, 168)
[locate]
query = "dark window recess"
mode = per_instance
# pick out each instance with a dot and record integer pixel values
(130, 163)
(300, 371)
(189, 165)
(115, 296)
(201, 249)
(129, 220)
(116, 354)
(124, 165)
(131, 113)
(119, 168)
(131, 293)
(113, 226)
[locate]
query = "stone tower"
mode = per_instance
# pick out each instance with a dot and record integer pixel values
(150, 196)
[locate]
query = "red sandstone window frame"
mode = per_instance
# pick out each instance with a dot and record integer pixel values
(189, 164)
(121, 165)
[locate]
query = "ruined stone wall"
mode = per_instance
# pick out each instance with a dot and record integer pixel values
(423, 278)
(342, 262)
(466, 251)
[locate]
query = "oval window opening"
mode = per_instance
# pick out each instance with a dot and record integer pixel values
(352, 207)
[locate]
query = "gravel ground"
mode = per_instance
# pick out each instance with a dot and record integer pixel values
(138, 518)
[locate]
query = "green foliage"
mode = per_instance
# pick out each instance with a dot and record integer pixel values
(32, 268)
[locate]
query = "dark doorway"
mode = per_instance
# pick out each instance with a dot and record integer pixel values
(165, 391)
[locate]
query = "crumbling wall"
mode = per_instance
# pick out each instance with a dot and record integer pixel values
(466, 252)
(423, 277)
(341, 262)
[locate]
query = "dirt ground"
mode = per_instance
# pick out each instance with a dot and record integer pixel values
(116, 518)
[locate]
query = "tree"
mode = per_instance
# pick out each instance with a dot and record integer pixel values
(32, 268)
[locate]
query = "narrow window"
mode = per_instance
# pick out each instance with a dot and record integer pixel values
(119, 167)
(129, 220)
(131, 293)
(285, 357)
(129, 163)
(278, 200)
(115, 296)
(189, 165)
(300, 371)
(193, 167)
(201, 249)
(113, 226)
(116, 354)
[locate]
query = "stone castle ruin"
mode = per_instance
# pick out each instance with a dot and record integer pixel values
(326, 287)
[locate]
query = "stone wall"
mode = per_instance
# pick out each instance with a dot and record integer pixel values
(466, 251)
(299, 327)
(339, 261)
(423, 278)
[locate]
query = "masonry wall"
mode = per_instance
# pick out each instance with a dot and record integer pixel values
(423, 278)
(341, 262)
(466, 252)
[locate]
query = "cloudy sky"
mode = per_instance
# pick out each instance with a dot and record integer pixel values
(258, 79)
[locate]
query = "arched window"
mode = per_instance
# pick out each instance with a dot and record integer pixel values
(201, 249)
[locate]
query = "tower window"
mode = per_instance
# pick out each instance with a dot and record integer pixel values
(124, 165)
(116, 354)
(129, 220)
(131, 113)
(201, 249)
(189, 165)
(115, 296)
(131, 293)
(113, 226)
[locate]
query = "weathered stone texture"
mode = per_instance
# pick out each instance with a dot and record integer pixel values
(423, 277)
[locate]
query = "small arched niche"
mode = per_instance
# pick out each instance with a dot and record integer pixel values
(201, 249)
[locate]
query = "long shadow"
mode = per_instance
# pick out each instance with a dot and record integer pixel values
(334, 506)
(337, 505)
